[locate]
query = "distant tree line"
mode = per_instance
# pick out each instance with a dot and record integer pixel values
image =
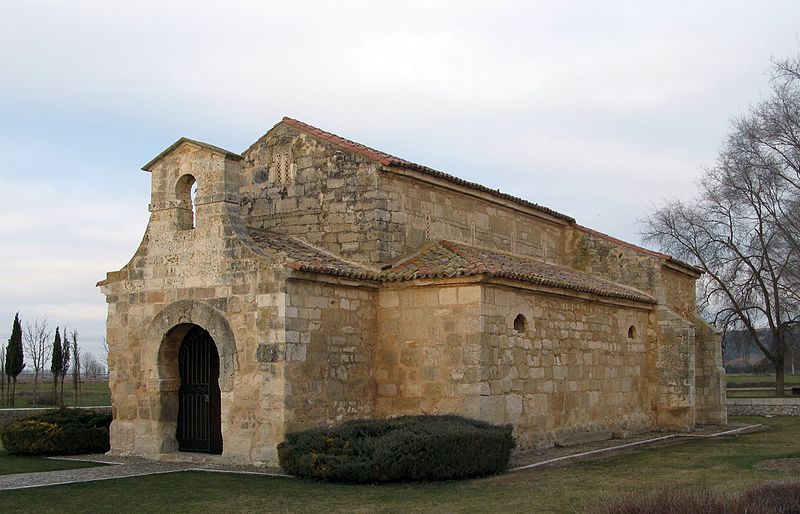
(61, 355)
(741, 355)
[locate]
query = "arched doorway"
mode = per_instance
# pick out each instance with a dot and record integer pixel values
(199, 424)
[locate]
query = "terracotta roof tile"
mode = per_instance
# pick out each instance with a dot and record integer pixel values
(444, 259)
(448, 259)
(396, 162)
(304, 257)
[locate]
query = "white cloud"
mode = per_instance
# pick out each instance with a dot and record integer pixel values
(595, 109)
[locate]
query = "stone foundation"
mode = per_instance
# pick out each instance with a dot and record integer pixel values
(763, 406)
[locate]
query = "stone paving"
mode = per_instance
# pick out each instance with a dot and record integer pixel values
(113, 467)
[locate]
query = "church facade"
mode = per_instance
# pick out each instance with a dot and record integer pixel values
(313, 280)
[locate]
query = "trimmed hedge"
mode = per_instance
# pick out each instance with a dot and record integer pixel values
(399, 449)
(57, 432)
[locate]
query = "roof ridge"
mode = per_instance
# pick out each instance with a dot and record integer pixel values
(201, 144)
(391, 161)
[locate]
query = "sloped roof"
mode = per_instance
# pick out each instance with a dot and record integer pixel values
(448, 259)
(176, 144)
(304, 257)
(445, 259)
(396, 162)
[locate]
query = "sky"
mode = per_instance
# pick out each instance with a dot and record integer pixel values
(599, 110)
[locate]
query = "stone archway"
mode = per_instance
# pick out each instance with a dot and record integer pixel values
(159, 360)
(199, 413)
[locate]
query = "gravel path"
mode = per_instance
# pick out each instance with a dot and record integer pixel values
(564, 454)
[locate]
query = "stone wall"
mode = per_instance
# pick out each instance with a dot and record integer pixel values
(330, 334)
(422, 212)
(763, 406)
(613, 260)
(428, 355)
(571, 373)
(206, 275)
(710, 376)
(672, 370)
(298, 185)
(568, 372)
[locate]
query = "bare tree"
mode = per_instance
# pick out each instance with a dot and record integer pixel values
(743, 227)
(104, 349)
(92, 367)
(37, 348)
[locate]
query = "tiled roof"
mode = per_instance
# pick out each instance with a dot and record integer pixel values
(396, 162)
(448, 259)
(445, 259)
(303, 257)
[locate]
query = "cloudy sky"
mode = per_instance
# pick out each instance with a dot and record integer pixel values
(599, 112)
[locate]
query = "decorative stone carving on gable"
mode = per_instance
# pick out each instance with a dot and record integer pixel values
(283, 168)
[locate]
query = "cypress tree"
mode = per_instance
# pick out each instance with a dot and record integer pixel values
(15, 359)
(55, 364)
(65, 347)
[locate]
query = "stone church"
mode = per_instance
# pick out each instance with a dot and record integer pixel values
(311, 280)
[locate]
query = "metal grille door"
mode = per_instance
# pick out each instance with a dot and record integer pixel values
(199, 408)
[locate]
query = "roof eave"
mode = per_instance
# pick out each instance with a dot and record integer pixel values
(185, 140)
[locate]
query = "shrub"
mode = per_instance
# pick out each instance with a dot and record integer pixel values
(778, 497)
(766, 499)
(399, 449)
(57, 432)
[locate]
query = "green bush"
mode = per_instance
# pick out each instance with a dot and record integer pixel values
(400, 449)
(57, 432)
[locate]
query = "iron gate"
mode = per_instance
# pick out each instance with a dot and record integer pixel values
(199, 427)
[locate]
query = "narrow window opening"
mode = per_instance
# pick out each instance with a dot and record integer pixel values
(193, 199)
(185, 194)
(520, 324)
(632, 332)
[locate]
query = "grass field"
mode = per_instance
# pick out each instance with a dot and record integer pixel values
(22, 464)
(93, 393)
(725, 465)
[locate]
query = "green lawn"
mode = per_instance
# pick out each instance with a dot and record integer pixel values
(94, 393)
(10, 464)
(750, 380)
(725, 465)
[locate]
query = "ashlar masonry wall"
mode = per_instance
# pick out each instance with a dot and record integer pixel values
(428, 357)
(298, 185)
(571, 373)
(330, 333)
(422, 211)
